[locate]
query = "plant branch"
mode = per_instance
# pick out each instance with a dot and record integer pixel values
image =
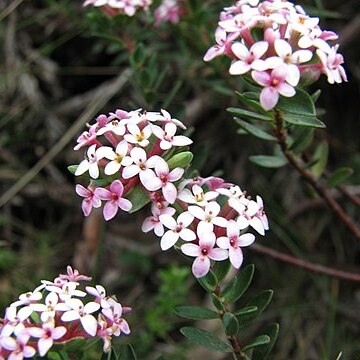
(305, 264)
(280, 133)
(234, 341)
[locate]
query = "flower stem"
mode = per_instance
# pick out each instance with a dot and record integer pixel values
(280, 133)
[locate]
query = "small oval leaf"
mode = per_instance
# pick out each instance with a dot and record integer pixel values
(263, 352)
(206, 339)
(248, 114)
(339, 176)
(303, 120)
(268, 161)
(72, 168)
(246, 310)
(195, 312)
(236, 288)
(209, 281)
(138, 197)
(181, 160)
(221, 269)
(255, 130)
(258, 341)
(261, 301)
(230, 323)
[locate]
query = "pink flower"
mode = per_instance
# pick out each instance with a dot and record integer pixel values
(203, 253)
(332, 67)
(168, 11)
(74, 275)
(164, 180)
(114, 199)
(274, 84)
(233, 241)
(47, 334)
(90, 200)
(19, 348)
(87, 137)
(114, 315)
(223, 45)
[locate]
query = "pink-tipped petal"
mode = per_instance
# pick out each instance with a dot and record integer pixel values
(268, 98)
(201, 266)
(236, 257)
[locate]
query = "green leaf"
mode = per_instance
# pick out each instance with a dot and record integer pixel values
(221, 269)
(268, 161)
(206, 339)
(248, 114)
(128, 353)
(217, 302)
(72, 168)
(261, 301)
(74, 345)
(246, 310)
(258, 341)
(262, 352)
(181, 160)
(138, 197)
(195, 312)
(209, 281)
(253, 102)
(302, 138)
(236, 288)
(339, 176)
(303, 120)
(254, 130)
(299, 110)
(320, 157)
(315, 95)
(110, 355)
(54, 355)
(300, 104)
(230, 323)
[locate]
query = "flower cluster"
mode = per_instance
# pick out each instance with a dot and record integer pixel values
(124, 149)
(55, 312)
(212, 223)
(113, 7)
(207, 215)
(279, 44)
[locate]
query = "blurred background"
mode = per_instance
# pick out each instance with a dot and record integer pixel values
(62, 65)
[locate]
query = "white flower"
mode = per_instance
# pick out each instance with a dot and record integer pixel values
(118, 158)
(178, 229)
(197, 195)
(208, 217)
(67, 291)
(141, 165)
(168, 137)
(138, 136)
(82, 313)
(248, 59)
(90, 163)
